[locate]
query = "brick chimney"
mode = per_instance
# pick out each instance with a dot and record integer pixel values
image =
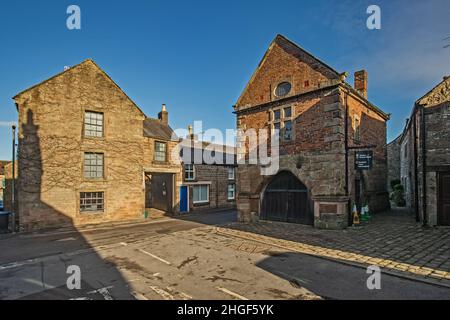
(361, 82)
(163, 115)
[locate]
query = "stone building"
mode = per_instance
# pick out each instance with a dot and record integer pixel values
(323, 122)
(393, 159)
(425, 156)
(88, 154)
(207, 185)
(2, 179)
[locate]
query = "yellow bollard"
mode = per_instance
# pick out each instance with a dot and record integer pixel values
(356, 220)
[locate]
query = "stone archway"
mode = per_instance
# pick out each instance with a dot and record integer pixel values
(286, 199)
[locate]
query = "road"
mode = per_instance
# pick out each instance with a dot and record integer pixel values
(181, 259)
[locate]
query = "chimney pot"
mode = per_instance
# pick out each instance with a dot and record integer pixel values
(163, 115)
(361, 79)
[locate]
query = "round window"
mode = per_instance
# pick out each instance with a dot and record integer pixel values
(283, 89)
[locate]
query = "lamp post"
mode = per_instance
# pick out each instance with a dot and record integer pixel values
(13, 180)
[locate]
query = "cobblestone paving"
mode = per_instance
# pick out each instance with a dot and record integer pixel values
(392, 240)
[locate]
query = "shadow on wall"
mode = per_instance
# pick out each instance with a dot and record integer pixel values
(46, 279)
(311, 139)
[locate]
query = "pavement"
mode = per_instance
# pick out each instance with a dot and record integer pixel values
(184, 258)
(391, 240)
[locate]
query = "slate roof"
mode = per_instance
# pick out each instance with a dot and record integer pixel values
(223, 153)
(153, 128)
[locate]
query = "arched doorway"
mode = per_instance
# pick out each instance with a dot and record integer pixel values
(286, 199)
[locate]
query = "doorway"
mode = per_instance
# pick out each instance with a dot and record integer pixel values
(159, 191)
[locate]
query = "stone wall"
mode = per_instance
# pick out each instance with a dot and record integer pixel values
(52, 145)
(317, 155)
(216, 177)
(172, 166)
(393, 160)
(437, 153)
(372, 137)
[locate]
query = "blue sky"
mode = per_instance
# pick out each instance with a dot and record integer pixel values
(196, 56)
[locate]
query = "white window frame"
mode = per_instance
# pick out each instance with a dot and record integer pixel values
(190, 171)
(232, 171)
(207, 194)
(91, 165)
(89, 121)
(158, 152)
(234, 191)
(86, 211)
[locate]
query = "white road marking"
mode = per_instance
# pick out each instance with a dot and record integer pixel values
(185, 296)
(17, 264)
(38, 283)
(66, 239)
(104, 292)
(231, 293)
(139, 296)
(81, 298)
(164, 294)
(53, 257)
(156, 257)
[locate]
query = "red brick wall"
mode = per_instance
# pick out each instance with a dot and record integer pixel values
(284, 62)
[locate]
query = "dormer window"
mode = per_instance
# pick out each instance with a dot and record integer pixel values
(283, 89)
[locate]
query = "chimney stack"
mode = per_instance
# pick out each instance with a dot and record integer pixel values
(163, 115)
(361, 78)
(191, 135)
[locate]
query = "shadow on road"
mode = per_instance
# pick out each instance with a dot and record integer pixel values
(45, 275)
(333, 280)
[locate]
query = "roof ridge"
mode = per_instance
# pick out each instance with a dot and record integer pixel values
(54, 76)
(445, 78)
(76, 66)
(280, 36)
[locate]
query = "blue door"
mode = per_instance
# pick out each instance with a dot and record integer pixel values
(184, 199)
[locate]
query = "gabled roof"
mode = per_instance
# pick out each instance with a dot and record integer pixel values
(444, 85)
(285, 42)
(73, 68)
(153, 128)
(221, 152)
(338, 81)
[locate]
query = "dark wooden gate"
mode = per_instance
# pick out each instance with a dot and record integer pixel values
(286, 199)
(159, 191)
(444, 199)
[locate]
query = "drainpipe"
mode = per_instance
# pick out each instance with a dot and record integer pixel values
(424, 167)
(346, 163)
(13, 180)
(416, 174)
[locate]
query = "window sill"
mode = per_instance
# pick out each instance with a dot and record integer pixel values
(85, 213)
(162, 163)
(94, 180)
(93, 138)
(202, 203)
